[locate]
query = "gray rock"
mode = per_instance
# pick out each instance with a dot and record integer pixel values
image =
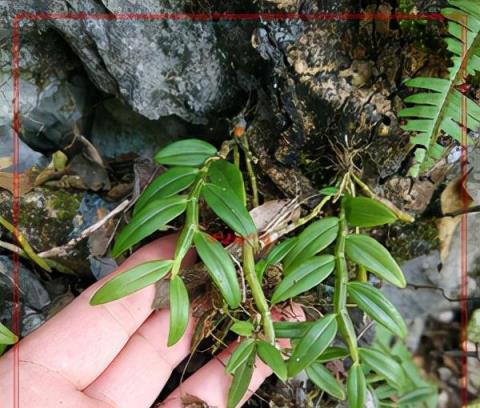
(118, 130)
(34, 298)
(160, 68)
(54, 96)
(427, 271)
(32, 292)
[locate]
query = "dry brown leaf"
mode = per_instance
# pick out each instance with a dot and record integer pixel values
(26, 181)
(267, 213)
(451, 200)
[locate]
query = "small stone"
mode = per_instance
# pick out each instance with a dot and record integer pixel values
(444, 373)
(446, 316)
(300, 67)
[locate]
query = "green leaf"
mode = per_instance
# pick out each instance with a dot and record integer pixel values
(220, 267)
(328, 191)
(333, 353)
(385, 391)
(275, 256)
(240, 355)
(230, 209)
(314, 342)
(373, 256)
(374, 303)
(383, 365)
(6, 336)
(441, 108)
(130, 281)
(316, 237)
(242, 328)
(225, 174)
(291, 330)
(179, 306)
(167, 184)
(417, 395)
(241, 381)
(272, 357)
(365, 212)
(323, 379)
(356, 387)
(303, 277)
(188, 152)
(153, 217)
(432, 84)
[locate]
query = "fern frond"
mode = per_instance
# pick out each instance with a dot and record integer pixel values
(440, 107)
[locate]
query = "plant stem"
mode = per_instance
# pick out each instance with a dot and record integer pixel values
(236, 156)
(185, 239)
(257, 291)
(251, 173)
(340, 296)
(362, 275)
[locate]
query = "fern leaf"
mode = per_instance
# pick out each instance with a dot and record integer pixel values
(439, 108)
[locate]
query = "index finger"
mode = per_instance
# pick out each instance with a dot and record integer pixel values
(82, 340)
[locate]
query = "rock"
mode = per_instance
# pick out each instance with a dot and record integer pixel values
(54, 96)
(46, 219)
(117, 130)
(91, 209)
(32, 292)
(34, 298)
(427, 273)
(326, 90)
(45, 216)
(160, 68)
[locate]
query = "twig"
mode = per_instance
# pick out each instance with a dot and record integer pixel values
(367, 328)
(13, 248)
(242, 278)
(63, 250)
(463, 211)
(442, 292)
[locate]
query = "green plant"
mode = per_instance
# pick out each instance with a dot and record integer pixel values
(199, 173)
(413, 391)
(6, 338)
(443, 107)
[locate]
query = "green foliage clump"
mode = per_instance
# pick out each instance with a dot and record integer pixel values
(442, 106)
(329, 247)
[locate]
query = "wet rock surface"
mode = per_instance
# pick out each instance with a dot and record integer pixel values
(34, 298)
(160, 68)
(54, 96)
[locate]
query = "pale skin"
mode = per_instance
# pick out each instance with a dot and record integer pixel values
(115, 355)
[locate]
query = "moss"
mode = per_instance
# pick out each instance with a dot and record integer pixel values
(65, 204)
(407, 241)
(45, 216)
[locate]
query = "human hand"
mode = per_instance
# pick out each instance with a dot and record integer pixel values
(114, 355)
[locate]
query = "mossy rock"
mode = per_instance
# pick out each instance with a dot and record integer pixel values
(46, 219)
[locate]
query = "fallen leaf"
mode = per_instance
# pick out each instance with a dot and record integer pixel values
(265, 215)
(26, 182)
(451, 200)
